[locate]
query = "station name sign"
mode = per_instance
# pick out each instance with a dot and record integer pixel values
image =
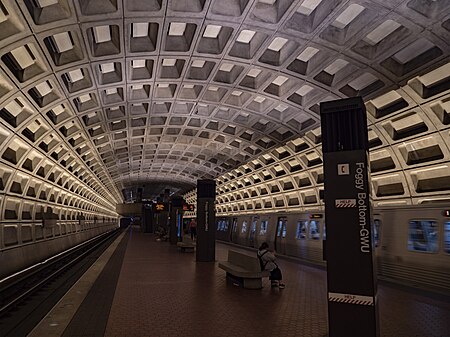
(352, 290)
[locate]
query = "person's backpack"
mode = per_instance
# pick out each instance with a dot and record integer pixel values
(262, 264)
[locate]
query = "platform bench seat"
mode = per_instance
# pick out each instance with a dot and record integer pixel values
(244, 270)
(186, 246)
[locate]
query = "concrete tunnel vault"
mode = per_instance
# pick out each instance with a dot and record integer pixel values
(98, 96)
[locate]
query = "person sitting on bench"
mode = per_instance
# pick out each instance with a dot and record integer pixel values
(267, 261)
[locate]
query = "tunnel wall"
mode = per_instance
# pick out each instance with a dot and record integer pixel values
(24, 244)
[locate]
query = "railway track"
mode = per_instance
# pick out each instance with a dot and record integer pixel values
(27, 296)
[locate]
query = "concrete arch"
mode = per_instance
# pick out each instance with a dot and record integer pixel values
(95, 94)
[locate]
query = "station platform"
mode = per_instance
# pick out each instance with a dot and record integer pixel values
(141, 287)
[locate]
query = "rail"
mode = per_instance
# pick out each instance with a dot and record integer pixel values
(41, 278)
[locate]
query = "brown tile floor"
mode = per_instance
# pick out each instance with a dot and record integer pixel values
(161, 292)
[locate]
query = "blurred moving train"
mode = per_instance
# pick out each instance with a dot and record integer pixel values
(412, 243)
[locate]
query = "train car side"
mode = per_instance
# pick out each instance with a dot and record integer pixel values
(411, 244)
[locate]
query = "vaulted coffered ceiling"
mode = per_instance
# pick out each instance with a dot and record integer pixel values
(135, 91)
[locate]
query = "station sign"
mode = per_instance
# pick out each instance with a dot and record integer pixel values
(206, 218)
(351, 281)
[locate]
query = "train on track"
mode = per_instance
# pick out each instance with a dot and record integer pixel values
(411, 243)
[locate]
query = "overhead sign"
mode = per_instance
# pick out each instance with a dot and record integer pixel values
(160, 207)
(189, 207)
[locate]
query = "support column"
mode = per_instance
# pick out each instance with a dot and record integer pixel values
(162, 215)
(176, 218)
(166, 195)
(352, 289)
(147, 218)
(139, 195)
(206, 219)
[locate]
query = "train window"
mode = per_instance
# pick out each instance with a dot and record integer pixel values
(447, 237)
(279, 230)
(376, 231)
(235, 225)
(283, 233)
(253, 228)
(314, 230)
(423, 236)
(263, 229)
(324, 236)
(244, 227)
(222, 225)
(302, 227)
(281, 222)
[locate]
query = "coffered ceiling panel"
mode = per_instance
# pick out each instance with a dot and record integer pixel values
(138, 91)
